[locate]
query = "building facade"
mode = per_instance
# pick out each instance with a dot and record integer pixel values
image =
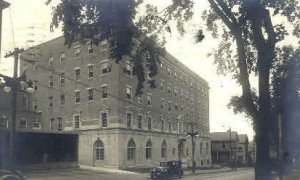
(224, 147)
(80, 89)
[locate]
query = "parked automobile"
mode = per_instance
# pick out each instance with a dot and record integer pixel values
(11, 175)
(167, 170)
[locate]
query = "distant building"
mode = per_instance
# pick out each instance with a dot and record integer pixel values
(242, 150)
(79, 88)
(252, 153)
(224, 146)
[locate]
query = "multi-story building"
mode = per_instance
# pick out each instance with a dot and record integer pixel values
(79, 88)
(224, 146)
(242, 150)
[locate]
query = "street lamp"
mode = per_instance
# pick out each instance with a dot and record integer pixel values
(193, 134)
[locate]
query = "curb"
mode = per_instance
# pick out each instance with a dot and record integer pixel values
(210, 172)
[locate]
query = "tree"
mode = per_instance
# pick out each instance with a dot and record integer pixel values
(249, 44)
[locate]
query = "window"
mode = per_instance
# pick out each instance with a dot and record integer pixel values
(62, 79)
(162, 124)
(77, 73)
(176, 107)
(139, 98)
(35, 85)
(36, 124)
(77, 97)
(169, 71)
(164, 149)
(128, 92)
(90, 72)
(52, 121)
(128, 68)
(131, 150)
(99, 150)
(139, 121)
(169, 88)
(170, 108)
(51, 59)
(104, 91)
(207, 162)
(90, 48)
(162, 104)
(62, 99)
(34, 105)
(175, 74)
(207, 148)
(128, 119)
(149, 123)
(104, 120)
(76, 121)
(148, 149)
(201, 148)
(175, 91)
(223, 145)
(62, 56)
(170, 126)
(149, 100)
(50, 81)
(59, 124)
(23, 123)
(162, 84)
(50, 101)
(24, 101)
(77, 52)
(90, 94)
(174, 151)
(181, 94)
(105, 68)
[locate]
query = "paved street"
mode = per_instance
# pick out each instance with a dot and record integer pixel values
(85, 174)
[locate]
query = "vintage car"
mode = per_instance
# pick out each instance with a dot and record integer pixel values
(11, 175)
(167, 170)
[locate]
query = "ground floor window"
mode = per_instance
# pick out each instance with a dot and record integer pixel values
(99, 150)
(148, 149)
(164, 149)
(131, 150)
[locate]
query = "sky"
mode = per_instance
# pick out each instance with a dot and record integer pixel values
(26, 23)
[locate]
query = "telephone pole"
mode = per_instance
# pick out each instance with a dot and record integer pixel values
(14, 89)
(193, 134)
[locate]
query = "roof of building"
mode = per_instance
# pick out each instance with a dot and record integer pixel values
(224, 136)
(243, 138)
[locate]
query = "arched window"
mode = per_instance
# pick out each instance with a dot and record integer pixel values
(99, 150)
(164, 149)
(131, 150)
(148, 149)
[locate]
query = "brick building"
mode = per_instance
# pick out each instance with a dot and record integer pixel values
(80, 89)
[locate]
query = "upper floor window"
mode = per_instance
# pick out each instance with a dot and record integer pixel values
(162, 84)
(104, 119)
(128, 92)
(139, 121)
(170, 126)
(90, 48)
(51, 61)
(149, 99)
(149, 123)
(169, 71)
(76, 121)
(62, 79)
(36, 124)
(24, 101)
(50, 81)
(90, 94)
(77, 52)
(170, 104)
(23, 123)
(90, 72)
(139, 98)
(169, 88)
(77, 96)
(35, 85)
(175, 74)
(128, 119)
(62, 56)
(77, 73)
(105, 68)
(162, 104)
(62, 99)
(128, 68)
(50, 101)
(104, 91)
(34, 105)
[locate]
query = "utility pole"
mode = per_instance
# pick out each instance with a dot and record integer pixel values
(193, 134)
(14, 90)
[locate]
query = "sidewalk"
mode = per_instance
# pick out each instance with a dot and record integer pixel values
(210, 171)
(103, 169)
